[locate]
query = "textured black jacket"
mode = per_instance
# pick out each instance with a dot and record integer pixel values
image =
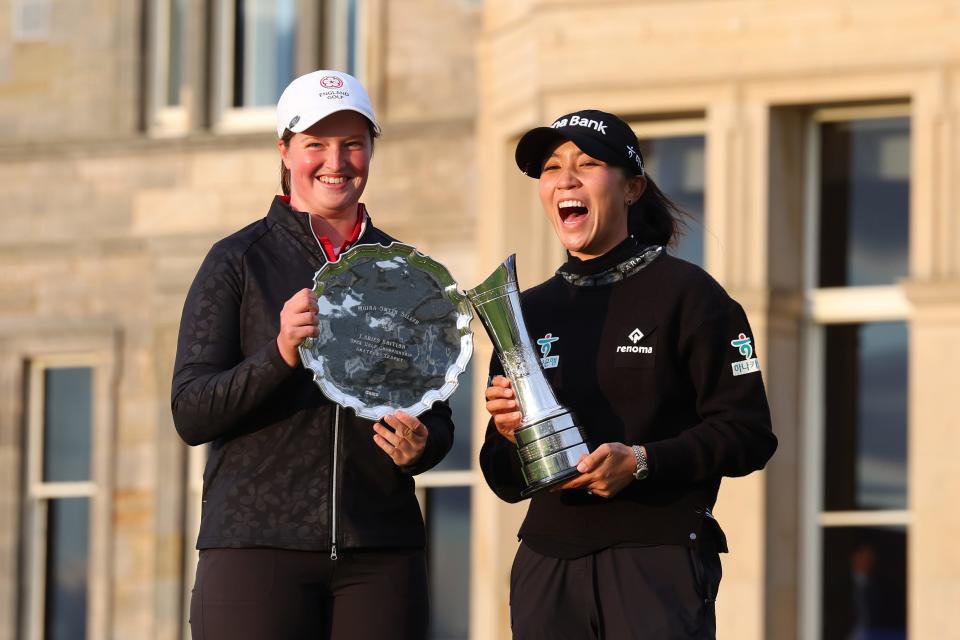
(288, 468)
(672, 390)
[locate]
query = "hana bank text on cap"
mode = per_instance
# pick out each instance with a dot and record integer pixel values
(314, 96)
(599, 134)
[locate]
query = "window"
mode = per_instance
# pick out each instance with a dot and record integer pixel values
(673, 152)
(857, 341)
(264, 42)
(444, 494)
(347, 33)
(169, 45)
(256, 48)
(261, 45)
(66, 508)
(31, 20)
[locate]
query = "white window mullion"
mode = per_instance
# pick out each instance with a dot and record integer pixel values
(812, 419)
(53, 490)
(446, 479)
(33, 613)
(835, 305)
(811, 207)
(865, 518)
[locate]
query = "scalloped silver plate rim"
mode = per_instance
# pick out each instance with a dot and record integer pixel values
(443, 277)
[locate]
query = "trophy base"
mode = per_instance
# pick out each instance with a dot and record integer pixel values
(546, 483)
(549, 451)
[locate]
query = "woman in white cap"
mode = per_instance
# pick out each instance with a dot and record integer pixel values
(656, 362)
(310, 526)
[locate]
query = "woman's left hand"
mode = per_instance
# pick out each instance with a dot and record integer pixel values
(404, 441)
(605, 472)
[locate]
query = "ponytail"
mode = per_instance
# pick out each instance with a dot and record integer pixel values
(655, 218)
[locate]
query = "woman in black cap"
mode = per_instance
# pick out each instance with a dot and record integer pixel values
(657, 363)
(310, 525)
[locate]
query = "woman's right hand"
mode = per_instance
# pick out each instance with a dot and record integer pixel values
(502, 406)
(298, 320)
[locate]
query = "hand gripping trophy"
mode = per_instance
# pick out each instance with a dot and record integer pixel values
(549, 441)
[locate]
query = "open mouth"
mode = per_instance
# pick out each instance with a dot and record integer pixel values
(571, 211)
(333, 180)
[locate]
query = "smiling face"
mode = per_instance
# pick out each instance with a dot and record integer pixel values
(586, 200)
(328, 164)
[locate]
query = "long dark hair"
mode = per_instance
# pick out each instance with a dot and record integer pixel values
(655, 218)
(287, 135)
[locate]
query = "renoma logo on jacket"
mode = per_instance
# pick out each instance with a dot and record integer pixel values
(744, 345)
(635, 336)
(546, 360)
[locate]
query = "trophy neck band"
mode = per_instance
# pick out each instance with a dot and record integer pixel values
(484, 297)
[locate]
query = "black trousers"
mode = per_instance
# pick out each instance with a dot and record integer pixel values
(278, 594)
(620, 593)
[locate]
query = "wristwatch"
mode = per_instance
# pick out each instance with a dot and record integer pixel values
(643, 470)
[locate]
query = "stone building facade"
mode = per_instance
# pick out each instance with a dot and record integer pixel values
(816, 144)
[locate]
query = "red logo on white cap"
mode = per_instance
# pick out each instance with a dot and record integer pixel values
(331, 82)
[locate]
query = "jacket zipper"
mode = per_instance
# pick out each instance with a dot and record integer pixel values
(333, 483)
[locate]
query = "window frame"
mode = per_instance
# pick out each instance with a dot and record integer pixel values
(36, 493)
(22, 31)
(163, 119)
(309, 55)
(684, 127)
(196, 463)
(823, 306)
(338, 51)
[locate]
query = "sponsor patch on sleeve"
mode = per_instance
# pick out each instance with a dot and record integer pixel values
(548, 361)
(749, 364)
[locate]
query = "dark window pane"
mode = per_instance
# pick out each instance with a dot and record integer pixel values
(352, 28)
(864, 583)
(461, 403)
(264, 46)
(864, 202)
(676, 164)
(175, 43)
(67, 422)
(865, 391)
(65, 611)
(448, 548)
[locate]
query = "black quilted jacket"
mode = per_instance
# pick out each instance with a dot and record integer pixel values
(287, 467)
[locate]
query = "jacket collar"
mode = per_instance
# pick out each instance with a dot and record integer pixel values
(297, 224)
(621, 262)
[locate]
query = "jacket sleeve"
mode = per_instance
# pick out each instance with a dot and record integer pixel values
(499, 459)
(439, 422)
(214, 383)
(734, 436)
(500, 464)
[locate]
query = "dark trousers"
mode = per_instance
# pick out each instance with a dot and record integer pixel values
(278, 594)
(621, 593)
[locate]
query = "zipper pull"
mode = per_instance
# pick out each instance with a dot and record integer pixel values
(333, 551)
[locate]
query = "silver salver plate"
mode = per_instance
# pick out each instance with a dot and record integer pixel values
(394, 331)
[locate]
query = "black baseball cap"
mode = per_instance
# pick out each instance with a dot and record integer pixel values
(599, 134)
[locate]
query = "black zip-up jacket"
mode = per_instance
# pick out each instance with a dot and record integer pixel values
(646, 360)
(288, 468)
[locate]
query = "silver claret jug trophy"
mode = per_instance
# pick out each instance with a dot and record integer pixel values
(549, 440)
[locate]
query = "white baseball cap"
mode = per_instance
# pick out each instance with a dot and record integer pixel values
(314, 96)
